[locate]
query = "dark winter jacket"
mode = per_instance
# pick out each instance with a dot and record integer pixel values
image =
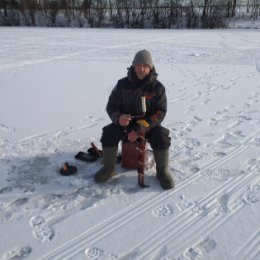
(125, 98)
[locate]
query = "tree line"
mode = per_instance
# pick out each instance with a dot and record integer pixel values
(123, 13)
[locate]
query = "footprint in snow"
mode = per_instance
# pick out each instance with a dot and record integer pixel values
(198, 118)
(190, 109)
(163, 211)
(246, 106)
(220, 154)
(198, 209)
(44, 233)
(41, 230)
(213, 122)
(201, 249)
(251, 74)
(12, 209)
(95, 253)
(197, 96)
(252, 195)
(6, 189)
(191, 143)
(207, 245)
(183, 203)
(18, 202)
(36, 221)
(257, 64)
(220, 174)
(223, 201)
(253, 164)
(206, 101)
(17, 254)
(64, 132)
(192, 254)
(86, 118)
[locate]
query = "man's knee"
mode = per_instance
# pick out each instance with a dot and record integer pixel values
(159, 138)
(111, 135)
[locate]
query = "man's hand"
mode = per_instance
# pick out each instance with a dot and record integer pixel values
(132, 136)
(124, 120)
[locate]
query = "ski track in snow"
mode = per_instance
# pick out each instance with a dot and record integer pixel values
(80, 53)
(250, 250)
(49, 142)
(197, 224)
(186, 221)
(187, 225)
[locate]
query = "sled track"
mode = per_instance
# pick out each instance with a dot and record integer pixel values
(98, 232)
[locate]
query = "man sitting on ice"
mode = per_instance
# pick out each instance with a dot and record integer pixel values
(124, 105)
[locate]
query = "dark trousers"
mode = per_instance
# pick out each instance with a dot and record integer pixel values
(158, 136)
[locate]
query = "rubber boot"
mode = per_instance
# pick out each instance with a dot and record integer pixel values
(108, 170)
(162, 161)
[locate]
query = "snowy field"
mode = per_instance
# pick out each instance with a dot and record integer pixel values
(54, 85)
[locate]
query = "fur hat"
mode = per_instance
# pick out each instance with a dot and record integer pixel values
(143, 57)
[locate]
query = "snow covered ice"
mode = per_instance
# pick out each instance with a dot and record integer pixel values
(54, 85)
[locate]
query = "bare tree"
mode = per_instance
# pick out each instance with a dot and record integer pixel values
(94, 11)
(124, 13)
(10, 14)
(231, 8)
(248, 6)
(65, 9)
(234, 7)
(117, 13)
(3, 6)
(110, 6)
(213, 14)
(192, 16)
(255, 9)
(86, 5)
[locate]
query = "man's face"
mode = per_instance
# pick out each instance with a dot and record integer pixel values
(142, 71)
